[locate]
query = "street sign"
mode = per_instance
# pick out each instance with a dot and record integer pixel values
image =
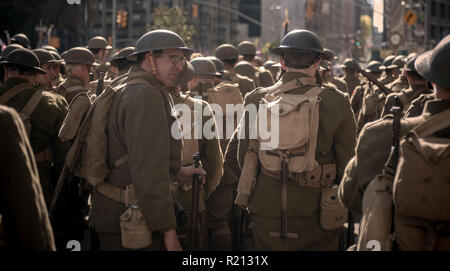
(410, 17)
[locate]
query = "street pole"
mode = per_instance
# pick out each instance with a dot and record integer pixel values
(104, 17)
(426, 25)
(86, 35)
(148, 10)
(113, 34)
(130, 20)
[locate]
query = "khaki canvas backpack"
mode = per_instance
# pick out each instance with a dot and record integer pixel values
(225, 94)
(296, 146)
(87, 157)
(421, 186)
(190, 145)
(376, 221)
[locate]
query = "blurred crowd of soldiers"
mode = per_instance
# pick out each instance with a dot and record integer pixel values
(154, 192)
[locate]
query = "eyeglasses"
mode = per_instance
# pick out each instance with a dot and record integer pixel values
(177, 59)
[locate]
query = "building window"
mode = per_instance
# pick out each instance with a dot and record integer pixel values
(442, 10)
(136, 17)
(448, 12)
(433, 9)
(433, 32)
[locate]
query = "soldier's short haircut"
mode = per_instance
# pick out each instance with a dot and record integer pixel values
(20, 69)
(70, 67)
(141, 56)
(350, 70)
(95, 51)
(248, 57)
(377, 74)
(230, 61)
(122, 64)
(415, 76)
(206, 77)
(300, 59)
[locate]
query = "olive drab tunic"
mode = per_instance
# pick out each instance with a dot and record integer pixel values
(404, 98)
(98, 68)
(246, 84)
(210, 155)
(372, 105)
(398, 84)
(264, 78)
(335, 145)
(339, 83)
(352, 82)
(154, 159)
(417, 105)
(46, 121)
(374, 145)
(24, 217)
(356, 99)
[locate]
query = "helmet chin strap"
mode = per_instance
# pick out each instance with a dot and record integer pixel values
(152, 63)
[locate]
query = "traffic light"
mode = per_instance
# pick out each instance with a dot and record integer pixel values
(122, 18)
(119, 18)
(195, 10)
(310, 9)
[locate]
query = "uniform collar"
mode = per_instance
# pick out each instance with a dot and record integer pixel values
(12, 82)
(304, 78)
(74, 80)
(434, 107)
(15, 81)
(419, 88)
(351, 78)
(136, 72)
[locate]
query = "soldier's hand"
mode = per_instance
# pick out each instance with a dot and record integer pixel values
(171, 241)
(186, 174)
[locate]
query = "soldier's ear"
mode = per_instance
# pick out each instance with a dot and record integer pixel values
(5, 76)
(36, 77)
(283, 63)
(317, 63)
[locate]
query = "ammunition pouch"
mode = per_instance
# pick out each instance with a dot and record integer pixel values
(320, 177)
(332, 213)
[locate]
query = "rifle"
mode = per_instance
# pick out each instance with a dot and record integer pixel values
(100, 83)
(8, 37)
(66, 210)
(283, 219)
(374, 80)
(391, 164)
(286, 23)
(350, 230)
(180, 213)
(194, 243)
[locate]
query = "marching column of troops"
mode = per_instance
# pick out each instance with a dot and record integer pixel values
(89, 152)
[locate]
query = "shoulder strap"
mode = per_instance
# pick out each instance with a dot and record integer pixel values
(314, 92)
(32, 103)
(13, 92)
(75, 88)
(282, 88)
(403, 99)
(137, 81)
(433, 124)
(129, 83)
